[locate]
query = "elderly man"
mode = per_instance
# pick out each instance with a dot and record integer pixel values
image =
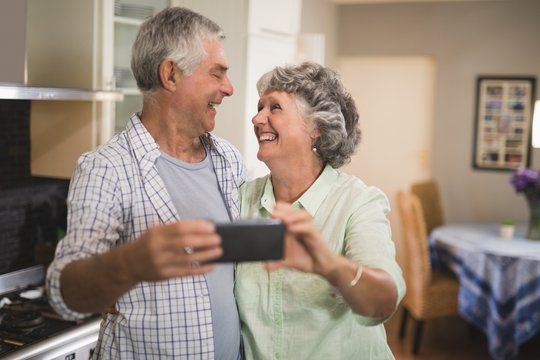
(133, 239)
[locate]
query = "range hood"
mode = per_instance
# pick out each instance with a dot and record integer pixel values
(23, 92)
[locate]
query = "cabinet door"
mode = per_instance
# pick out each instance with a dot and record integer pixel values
(126, 16)
(61, 45)
(276, 16)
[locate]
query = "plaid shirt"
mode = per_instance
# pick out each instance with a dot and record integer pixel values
(115, 195)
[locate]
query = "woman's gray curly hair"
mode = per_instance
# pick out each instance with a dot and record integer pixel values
(325, 102)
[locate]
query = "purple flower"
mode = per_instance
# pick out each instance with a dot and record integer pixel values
(525, 180)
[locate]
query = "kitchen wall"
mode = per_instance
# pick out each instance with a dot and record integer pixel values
(320, 16)
(14, 143)
(466, 39)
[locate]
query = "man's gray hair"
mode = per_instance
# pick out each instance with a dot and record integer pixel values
(176, 33)
(325, 103)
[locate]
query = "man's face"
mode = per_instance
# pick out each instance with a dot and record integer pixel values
(201, 92)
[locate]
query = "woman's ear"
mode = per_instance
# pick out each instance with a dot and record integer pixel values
(314, 134)
(167, 74)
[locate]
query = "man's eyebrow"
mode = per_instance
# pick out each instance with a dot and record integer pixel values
(220, 68)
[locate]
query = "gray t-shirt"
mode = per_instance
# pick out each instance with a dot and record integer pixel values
(190, 184)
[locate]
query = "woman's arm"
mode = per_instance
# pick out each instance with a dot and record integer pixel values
(368, 291)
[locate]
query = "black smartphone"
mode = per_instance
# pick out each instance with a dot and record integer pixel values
(251, 240)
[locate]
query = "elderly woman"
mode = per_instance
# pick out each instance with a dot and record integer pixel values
(339, 280)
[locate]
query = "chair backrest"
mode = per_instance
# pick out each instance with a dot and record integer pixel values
(415, 242)
(430, 200)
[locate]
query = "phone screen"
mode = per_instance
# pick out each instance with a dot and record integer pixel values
(251, 240)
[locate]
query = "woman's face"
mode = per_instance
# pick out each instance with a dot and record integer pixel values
(281, 129)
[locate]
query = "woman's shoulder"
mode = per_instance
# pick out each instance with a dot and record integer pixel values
(356, 189)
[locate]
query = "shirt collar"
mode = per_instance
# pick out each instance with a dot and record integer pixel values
(145, 145)
(208, 140)
(311, 200)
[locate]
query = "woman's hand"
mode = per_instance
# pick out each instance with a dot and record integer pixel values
(373, 295)
(305, 249)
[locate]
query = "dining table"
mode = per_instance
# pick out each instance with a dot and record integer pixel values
(499, 278)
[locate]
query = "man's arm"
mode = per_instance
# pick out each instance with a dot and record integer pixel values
(91, 285)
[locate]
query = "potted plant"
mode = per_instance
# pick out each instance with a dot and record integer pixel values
(507, 229)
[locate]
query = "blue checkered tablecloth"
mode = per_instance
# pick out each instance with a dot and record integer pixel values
(499, 282)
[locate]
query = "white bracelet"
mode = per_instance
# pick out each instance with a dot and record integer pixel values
(357, 276)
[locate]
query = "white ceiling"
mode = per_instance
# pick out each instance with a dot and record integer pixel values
(399, 1)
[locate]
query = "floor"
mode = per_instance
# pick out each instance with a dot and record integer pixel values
(448, 339)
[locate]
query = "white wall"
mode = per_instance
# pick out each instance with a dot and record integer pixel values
(394, 96)
(320, 17)
(467, 39)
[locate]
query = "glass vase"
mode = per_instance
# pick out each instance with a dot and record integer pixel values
(533, 231)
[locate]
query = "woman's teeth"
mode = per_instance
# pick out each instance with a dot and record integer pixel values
(267, 137)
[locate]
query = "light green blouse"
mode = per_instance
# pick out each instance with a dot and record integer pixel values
(288, 314)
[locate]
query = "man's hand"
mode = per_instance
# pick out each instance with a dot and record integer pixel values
(162, 252)
(173, 250)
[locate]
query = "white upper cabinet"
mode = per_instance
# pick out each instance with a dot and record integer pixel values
(275, 16)
(122, 19)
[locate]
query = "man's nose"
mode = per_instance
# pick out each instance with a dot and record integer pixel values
(227, 87)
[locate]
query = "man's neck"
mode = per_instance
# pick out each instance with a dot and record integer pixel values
(173, 139)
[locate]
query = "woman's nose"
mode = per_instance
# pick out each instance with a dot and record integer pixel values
(259, 118)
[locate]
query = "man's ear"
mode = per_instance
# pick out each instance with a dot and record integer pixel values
(168, 72)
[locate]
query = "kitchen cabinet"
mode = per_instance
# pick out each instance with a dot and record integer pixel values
(280, 17)
(83, 44)
(127, 17)
(87, 44)
(63, 43)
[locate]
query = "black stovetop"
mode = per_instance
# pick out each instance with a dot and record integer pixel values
(27, 321)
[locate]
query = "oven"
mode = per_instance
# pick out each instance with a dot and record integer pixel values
(30, 329)
(33, 220)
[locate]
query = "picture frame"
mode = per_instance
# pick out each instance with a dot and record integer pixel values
(503, 122)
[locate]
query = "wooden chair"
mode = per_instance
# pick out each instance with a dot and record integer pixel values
(430, 294)
(430, 199)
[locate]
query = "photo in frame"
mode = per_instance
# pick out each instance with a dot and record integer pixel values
(503, 123)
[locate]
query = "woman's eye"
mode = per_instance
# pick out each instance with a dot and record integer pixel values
(275, 107)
